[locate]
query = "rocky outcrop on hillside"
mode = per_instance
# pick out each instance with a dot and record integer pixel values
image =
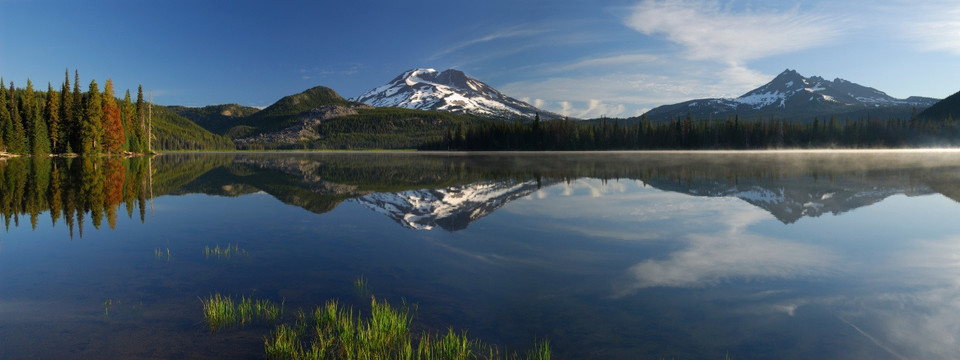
(305, 128)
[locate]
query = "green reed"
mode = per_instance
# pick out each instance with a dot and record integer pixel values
(222, 311)
(121, 308)
(334, 332)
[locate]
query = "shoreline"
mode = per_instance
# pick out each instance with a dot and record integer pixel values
(5, 155)
(476, 152)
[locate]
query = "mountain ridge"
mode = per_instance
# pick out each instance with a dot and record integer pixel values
(944, 109)
(792, 96)
(452, 91)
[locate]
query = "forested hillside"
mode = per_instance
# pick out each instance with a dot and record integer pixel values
(174, 132)
(319, 118)
(215, 118)
(948, 108)
(283, 113)
(391, 128)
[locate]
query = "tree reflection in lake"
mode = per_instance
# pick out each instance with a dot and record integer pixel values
(609, 255)
(451, 190)
(72, 188)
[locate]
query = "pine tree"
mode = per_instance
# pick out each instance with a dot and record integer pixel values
(112, 126)
(6, 124)
(67, 121)
(39, 137)
(53, 118)
(127, 118)
(92, 123)
(17, 141)
(140, 128)
(79, 112)
(31, 119)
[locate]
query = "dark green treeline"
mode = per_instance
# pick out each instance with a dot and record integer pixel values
(72, 189)
(689, 133)
(68, 120)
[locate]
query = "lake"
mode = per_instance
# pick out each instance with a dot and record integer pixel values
(612, 255)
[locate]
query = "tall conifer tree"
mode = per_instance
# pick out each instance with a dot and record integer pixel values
(92, 122)
(52, 115)
(79, 112)
(140, 128)
(37, 136)
(17, 142)
(67, 121)
(28, 114)
(6, 124)
(126, 117)
(112, 126)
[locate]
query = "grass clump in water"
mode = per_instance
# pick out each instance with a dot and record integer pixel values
(332, 332)
(360, 286)
(222, 311)
(160, 255)
(223, 252)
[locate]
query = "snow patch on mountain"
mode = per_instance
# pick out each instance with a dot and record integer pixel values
(790, 90)
(450, 90)
(451, 208)
(761, 100)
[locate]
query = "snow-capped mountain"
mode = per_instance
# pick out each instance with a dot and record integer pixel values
(792, 96)
(790, 199)
(450, 90)
(451, 208)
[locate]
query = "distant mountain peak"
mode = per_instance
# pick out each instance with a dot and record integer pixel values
(791, 95)
(450, 90)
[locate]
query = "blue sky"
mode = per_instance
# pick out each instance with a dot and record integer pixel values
(581, 58)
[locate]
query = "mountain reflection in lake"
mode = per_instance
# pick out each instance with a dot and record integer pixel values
(607, 255)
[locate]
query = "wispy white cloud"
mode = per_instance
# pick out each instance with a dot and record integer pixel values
(708, 31)
(935, 26)
(327, 71)
(613, 60)
(513, 32)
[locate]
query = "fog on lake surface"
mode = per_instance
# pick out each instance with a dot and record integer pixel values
(620, 255)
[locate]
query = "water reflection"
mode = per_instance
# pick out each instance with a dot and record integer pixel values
(72, 189)
(610, 255)
(450, 191)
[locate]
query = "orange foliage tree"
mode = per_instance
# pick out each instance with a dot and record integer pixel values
(113, 137)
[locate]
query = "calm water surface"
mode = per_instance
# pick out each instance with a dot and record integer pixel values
(607, 255)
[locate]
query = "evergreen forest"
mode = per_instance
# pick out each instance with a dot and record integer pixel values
(693, 134)
(68, 120)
